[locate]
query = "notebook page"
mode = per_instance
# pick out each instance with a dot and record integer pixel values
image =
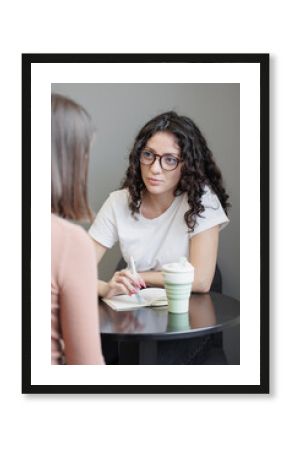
(149, 296)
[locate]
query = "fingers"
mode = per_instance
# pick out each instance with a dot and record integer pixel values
(116, 289)
(140, 281)
(135, 279)
(132, 278)
(131, 285)
(122, 288)
(121, 285)
(124, 282)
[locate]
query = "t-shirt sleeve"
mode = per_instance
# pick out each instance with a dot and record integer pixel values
(104, 228)
(212, 215)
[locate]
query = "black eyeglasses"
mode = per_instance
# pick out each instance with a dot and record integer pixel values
(167, 161)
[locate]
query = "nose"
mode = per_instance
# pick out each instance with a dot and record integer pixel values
(156, 167)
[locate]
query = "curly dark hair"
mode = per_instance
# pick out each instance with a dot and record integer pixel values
(198, 170)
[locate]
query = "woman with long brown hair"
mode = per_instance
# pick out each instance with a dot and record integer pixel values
(75, 335)
(172, 203)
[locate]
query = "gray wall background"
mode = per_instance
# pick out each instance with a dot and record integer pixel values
(120, 110)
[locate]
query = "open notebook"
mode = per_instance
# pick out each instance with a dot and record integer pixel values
(149, 297)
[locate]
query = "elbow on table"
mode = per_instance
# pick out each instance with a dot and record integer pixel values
(201, 286)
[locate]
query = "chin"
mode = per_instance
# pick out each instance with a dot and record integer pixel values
(155, 189)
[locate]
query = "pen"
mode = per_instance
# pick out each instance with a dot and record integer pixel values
(133, 270)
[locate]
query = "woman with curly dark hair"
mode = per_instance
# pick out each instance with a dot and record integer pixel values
(172, 203)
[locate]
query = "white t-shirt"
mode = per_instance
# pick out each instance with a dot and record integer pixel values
(153, 242)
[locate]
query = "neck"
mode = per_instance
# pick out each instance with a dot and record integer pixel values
(156, 204)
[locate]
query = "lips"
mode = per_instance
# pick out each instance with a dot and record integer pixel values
(154, 181)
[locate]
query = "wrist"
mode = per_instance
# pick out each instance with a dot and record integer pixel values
(103, 288)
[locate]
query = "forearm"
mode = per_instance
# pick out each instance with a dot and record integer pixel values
(152, 278)
(156, 279)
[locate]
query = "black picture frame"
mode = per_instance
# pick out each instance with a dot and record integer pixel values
(263, 61)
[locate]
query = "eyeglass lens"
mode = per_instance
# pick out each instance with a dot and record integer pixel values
(167, 161)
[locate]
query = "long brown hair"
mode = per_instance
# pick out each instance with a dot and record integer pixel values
(71, 136)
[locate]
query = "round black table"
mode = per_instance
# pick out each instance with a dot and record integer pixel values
(138, 336)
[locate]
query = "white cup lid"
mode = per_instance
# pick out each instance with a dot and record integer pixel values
(182, 266)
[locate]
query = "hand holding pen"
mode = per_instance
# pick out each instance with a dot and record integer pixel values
(126, 281)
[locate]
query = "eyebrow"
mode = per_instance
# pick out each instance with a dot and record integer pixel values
(169, 153)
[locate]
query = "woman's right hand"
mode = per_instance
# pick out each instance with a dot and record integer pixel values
(124, 282)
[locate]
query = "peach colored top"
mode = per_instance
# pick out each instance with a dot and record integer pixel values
(75, 337)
